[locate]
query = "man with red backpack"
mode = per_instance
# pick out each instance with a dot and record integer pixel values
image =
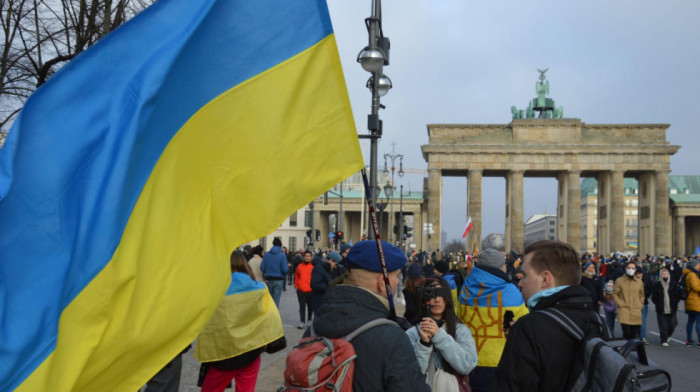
(385, 357)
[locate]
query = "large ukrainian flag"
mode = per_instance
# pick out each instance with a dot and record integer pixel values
(128, 178)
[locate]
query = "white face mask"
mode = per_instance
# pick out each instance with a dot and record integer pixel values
(630, 271)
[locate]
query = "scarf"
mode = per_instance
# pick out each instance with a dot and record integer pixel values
(532, 302)
(667, 300)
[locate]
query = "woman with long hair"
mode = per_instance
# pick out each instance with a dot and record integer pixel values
(444, 346)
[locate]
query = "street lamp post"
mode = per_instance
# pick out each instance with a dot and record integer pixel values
(392, 157)
(373, 58)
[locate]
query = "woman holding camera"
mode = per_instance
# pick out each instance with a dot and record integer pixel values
(444, 346)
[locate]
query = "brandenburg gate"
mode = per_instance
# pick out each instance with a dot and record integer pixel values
(548, 145)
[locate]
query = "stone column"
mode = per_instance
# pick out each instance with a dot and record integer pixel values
(573, 222)
(434, 206)
(474, 207)
(509, 191)
(662, 237)
(647, 212)
(603, 215)
(617, 212)
(562, 206)
(679, 235)
(517, 224)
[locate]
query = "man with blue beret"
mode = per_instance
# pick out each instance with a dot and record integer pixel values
(385, 358)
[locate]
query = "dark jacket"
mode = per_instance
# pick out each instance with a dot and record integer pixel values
(320, 277)
(674, 296)
(648, 288)
(413, 304)
(385, 358)
(529, 362)
(595, 288)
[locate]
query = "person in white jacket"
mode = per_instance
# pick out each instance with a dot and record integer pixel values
(444, 346)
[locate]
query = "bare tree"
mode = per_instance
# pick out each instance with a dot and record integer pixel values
(455, 246)
(40, 36)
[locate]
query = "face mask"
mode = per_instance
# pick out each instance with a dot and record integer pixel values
(630, 272)
(665, 279)
(589, 274)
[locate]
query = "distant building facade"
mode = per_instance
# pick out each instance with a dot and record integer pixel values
(684, 208)
(540, 227)
(495, 241)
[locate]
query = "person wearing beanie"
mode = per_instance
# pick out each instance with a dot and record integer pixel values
(609, 306)
(629, 299)
(385, 358)
(486, 295)
(691, 273)
(592, 282)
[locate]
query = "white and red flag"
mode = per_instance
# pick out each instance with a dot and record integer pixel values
(468, 227)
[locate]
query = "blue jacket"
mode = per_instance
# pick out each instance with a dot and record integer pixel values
(274, 263)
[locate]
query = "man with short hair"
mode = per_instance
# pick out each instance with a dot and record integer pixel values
(274, 267)
(385, 357)
(539, 354)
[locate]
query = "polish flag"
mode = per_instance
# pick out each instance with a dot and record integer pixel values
(468, 228)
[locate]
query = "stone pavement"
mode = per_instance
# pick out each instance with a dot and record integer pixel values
(272, 365)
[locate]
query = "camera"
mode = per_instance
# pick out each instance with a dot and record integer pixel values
(426, 293)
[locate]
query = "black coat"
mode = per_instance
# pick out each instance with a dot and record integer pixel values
(539, 354)
(674, 296)
(595, 287)
(385, 358)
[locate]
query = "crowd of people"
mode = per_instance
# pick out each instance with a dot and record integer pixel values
(471, 322)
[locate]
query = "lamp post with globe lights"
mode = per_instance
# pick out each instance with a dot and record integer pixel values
(373, 58)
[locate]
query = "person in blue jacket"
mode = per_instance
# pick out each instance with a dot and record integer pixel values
(274, 267)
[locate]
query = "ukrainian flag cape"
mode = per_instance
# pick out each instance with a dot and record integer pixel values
(129, 177)
(482, 301)
(246, 319)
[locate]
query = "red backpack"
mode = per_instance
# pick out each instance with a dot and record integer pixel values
(324, 364)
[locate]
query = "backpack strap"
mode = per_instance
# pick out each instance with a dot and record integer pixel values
(572, 328)
(367, 326)
(564, 321)
(362, 328)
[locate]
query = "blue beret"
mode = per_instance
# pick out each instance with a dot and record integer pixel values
(364, 255)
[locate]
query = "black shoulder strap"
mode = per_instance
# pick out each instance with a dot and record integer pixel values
(564, 321)
(572, 328)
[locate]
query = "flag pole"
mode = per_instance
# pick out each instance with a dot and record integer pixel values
(377, 239)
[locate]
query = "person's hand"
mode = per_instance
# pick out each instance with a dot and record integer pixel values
(428, 329)
(506, 331)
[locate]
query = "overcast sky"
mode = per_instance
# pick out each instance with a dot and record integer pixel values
(468, 62)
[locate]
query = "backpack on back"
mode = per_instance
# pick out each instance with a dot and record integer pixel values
(324, 364)
(612, 365)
